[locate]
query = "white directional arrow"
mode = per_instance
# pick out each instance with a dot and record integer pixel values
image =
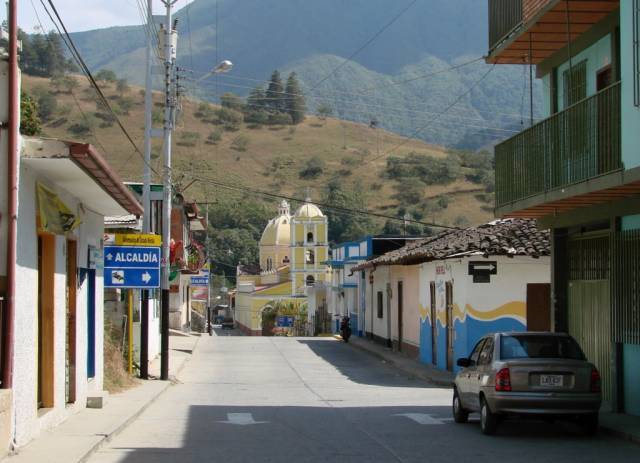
(146, 277)
(241, 419)
(484, 266)
(423, 418)
(109, 256)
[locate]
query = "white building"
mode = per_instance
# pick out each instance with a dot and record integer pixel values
(65, 190)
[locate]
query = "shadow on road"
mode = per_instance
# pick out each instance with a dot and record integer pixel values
(367, 434)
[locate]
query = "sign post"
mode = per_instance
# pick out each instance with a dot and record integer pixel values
(135, 267)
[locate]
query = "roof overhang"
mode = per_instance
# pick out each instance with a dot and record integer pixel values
(549, 30)
(81, 171)
(604, 189)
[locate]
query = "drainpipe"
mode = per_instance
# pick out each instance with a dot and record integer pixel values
(12, 198)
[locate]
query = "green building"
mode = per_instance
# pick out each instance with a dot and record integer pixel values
(577, 170)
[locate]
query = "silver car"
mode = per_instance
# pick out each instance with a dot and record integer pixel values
(527, 374)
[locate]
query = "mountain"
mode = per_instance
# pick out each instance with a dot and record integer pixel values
(314, 37)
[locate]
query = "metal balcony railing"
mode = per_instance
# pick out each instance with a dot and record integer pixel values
(504, 17)
(574, 145)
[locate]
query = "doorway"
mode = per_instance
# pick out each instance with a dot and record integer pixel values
(539, 307)
(450, 328)
(400, 313)
(70, 344)
(46, 274)
(434, 323)
(91, 323)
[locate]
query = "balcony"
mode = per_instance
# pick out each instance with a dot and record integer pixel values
(575, 145)
(529, 31)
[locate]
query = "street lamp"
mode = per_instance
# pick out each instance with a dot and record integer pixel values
(221, 67)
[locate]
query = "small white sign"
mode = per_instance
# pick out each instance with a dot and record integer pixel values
(117, 277)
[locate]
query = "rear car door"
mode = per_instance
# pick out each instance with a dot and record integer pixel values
(483, 370)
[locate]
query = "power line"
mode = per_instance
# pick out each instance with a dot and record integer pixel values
(322, 98)
(337, 209)
(415, 133)
(366, 44)
(83, 67)
(400, 112)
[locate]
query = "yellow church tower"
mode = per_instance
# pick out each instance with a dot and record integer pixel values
(309, 248)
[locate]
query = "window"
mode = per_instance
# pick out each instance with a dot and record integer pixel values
(575, 84)
(311, 280)
(486, 355)
(475, 353)
(380, 307)
(285, 260)
(539, 346)
(309, 237)
(310, 257)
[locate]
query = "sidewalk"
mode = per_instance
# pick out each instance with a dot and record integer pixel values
(614, 424)
(403, 363)
(82, 434)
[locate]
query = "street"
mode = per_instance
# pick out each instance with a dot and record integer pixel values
(316, 399)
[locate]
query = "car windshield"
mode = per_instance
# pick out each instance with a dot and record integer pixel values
(539, 346)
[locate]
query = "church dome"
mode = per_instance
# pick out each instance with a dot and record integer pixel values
(308, 211)
(278, 230)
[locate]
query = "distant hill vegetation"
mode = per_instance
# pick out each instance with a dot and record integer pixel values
(400, 81)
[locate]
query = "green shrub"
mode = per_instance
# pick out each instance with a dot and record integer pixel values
(214, 137)
(432, 171)
(188, 139)
(232, 101)
(80, 128)
(240, 143)
(313, 168)
(47, 105)
(280, 119)
(256, 117)
(229, 118)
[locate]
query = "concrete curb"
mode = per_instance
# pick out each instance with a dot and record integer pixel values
(109, 437)
(629, 437)
(410, 371)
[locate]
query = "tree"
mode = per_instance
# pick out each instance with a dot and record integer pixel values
(106, 76)
(69, 84)
(229, 118)
(323, 111)
(256, 100)
(313, 168)
(275, 93)
(349, 226)
(30, 123)
(232, 101)
(295, 104)
(47, 105)
(122, 86)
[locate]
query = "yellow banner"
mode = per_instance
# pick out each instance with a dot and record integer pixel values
(55, 216)
(137, 240)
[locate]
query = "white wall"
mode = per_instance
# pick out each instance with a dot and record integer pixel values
(27, 423)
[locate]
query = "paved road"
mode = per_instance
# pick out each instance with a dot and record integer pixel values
(243, 399)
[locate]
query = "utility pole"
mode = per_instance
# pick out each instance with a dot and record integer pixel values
(146, 194)
(170, 42)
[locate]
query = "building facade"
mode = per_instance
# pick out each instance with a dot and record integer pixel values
(435, 298)
(293, 249)
(66, 190)
(577, 170)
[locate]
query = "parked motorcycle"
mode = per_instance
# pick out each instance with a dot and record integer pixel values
(345, 329)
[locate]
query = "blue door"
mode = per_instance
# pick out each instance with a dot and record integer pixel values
(91, 324)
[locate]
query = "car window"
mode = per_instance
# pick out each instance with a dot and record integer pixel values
(475, 353)
(539, 346)
(486, 355)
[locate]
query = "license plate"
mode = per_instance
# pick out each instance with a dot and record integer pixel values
(551, 380)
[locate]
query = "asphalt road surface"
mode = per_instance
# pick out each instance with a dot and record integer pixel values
(243, 399)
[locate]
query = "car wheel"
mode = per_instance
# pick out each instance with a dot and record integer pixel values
(488, 421)
(460, 415)
(590, 424)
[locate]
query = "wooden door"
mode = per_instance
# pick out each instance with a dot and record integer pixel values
(46, 274)
(539, 307)
(450, 328)
(434, 324)
(400, 314)
(70, 357)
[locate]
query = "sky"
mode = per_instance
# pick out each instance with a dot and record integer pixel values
(82, 15)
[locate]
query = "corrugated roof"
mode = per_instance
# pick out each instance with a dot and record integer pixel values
(507, 237)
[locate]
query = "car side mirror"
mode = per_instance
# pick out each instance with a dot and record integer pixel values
(464, 362)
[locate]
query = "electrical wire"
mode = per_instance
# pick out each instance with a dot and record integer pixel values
(366, 44)
(85, 70)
